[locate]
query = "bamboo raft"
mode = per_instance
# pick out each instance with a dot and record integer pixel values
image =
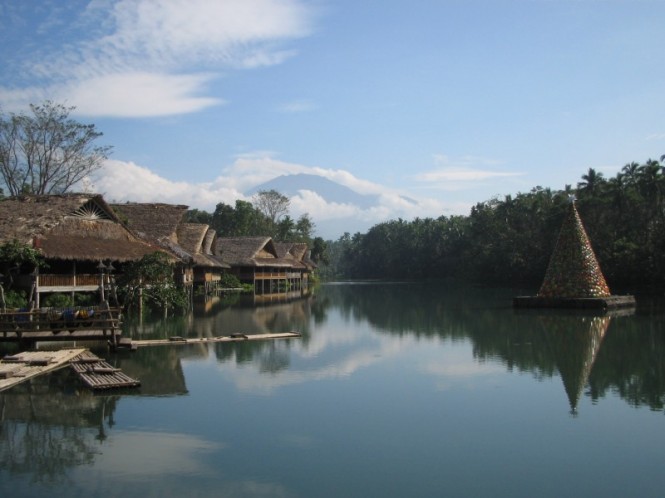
(98, 374)
(18, 368)
(238, 337)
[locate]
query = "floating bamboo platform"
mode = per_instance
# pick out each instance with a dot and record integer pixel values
(18, 368)
(602, 303)
(98, 374)
(238, 337)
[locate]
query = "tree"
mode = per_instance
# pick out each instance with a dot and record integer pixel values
(319, 252)
(47, 152)
(272, 204)
(591, 181)
(198, 216)
(304, 228)
(285, 228)
(13, 255)
(150, 279)
(241, 221)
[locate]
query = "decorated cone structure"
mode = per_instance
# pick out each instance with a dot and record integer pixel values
(573, 271)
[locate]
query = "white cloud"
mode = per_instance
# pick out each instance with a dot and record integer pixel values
(151, 95)
(155, 57)
(137, 454)
(121, 181)
(656, 136)
(463, 172)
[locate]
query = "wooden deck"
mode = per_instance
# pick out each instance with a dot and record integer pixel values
(21, 367)
(238, 337)
(97, 374)
(81, 324)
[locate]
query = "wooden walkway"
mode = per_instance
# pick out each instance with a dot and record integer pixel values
(204, 340)
(18, 368)
(97, 374)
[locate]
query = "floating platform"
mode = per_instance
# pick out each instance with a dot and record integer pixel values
(98, 374)
(237, 337)
(18, 368)
(597, 303)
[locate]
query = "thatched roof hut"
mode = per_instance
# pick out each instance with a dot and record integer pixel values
(197, 239)
(78, 227)
(297, 251)
(250, 251)
(164, 225)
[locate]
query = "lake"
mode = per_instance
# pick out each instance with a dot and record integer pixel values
(407, 390)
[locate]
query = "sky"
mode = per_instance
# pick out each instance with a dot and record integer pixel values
(444, 102)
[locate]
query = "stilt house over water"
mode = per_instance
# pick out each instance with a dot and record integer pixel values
(164, 225)
(80, 237)
(256, 261)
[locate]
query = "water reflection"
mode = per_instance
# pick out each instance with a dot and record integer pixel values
(574, 341)
(47, 428)
(400, 336)
(350, 327)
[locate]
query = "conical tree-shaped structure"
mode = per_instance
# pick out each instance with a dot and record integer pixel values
(573, 271)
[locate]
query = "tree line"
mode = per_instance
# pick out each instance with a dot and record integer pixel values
(510, 240)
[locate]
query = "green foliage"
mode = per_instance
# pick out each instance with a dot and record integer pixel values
(151, 279)
(511, 239)
(14, 257)
(239, 221)
(197, 216)
(319, 251)
(229, 281)
(16, 299)
(57, 300)
(14, 252)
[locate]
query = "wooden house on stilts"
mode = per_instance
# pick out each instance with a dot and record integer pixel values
(164, 225)
(80, 237)
(257, 261)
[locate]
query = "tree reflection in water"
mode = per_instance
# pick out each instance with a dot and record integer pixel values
(47, 429)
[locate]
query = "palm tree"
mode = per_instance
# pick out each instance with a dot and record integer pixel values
(591, 181)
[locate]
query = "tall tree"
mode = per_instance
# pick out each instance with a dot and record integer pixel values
(47, 152)
(272, 204)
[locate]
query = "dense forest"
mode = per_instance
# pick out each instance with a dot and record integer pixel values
(511, 239)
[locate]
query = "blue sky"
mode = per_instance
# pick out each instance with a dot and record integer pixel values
(446, 102)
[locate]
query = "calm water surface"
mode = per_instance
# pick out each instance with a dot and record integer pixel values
(393, 390)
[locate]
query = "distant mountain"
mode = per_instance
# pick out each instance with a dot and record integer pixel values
(289, 185)
(333, 226)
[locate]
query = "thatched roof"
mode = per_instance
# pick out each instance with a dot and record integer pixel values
(152, 221)
(249, 251)
(69, 226)
(191, 236)
(194, 237)
(158, 224)
(26, 217)
(296, 251)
